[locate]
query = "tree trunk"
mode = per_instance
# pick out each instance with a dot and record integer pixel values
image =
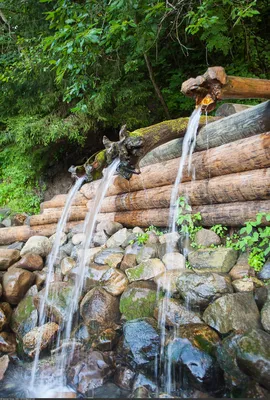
(76, 214)
(60, 201)
(245, 186)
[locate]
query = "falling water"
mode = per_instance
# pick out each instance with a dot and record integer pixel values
(189, 143)
(51, 261)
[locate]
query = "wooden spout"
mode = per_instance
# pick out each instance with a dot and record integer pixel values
(217, 85)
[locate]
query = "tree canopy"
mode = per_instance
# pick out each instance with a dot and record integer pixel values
(71, 70)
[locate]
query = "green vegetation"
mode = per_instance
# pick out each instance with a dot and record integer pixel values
(188, 222)
(72, 70)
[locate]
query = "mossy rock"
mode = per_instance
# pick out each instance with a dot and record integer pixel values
(24, 317)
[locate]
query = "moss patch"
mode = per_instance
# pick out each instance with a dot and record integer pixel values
(138, 303)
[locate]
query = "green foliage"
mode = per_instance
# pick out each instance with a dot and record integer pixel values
(220, 230)
(142, 238)
(154, 229)
(188, 222)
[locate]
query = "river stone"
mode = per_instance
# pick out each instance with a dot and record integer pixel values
(146, 252)
(133, 248)
(253, 356)
(141, 381)
(58, 301)
(4, 363)
(168, 243)
(138, 300)
(109, 227)
(176, 314)
(40, 245)
(67, 264)
(8, 257)
(99, 310)
(113, 255)
(31, 262)
(236, 311)
(141, 338)
(106, 340)
(7, 342)
(146, 270)
(265, 315)
(174, 261)
(16, 246)
(5, 315)
(99, 239)
(242, 268)
(124, 377)
(67, 248)
(31, 339)
(16, 282)
(63, 239)
(213, 260)
(243, 285)
(206, 237)
(91, 371)
(92, 275)
(89, 254)
(40, 278)
(78, 238)
(265, 271)
(137, 229)
(24, 317)
(128, 261)
(261, 295)
(167, 280)
(200, 290)
(114, 281)
(118, 238)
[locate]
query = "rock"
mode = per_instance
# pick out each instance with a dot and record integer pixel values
(265, 315)
(176, 314)
(146, 252)
(118, 238)
(40, 278)
(99, 239)
(241, 269)
(99, 310)
(114, 281)
(109, 227)
(152, 238)
(167, 281)
(24, 317)
(78, 238)
(146, 270)
(138, 300)
(142, 340)
(110, 390)
(124, 377)
(67, 248)
(63, 239)
(174, 261)
(106, 340)
(31, 262)
(16, 282)
(7, 222)
(206, 237)
(128, 261)
(253, 356)
(5, 315)
(4, 363)
(236, 311)
(19, 219)
(243, 285)
(7, 258)
(200, 290)
(265, 271)
(168, 243)
(81, 334)
(40, 245)
(219, 260)
(7, 342)
(133, 248)
(89, 254)
(112, 256)
(16, 246)
(67, 264)
(261, 295)
(137, 229)
(31, 339)
(1, 290)
(141, 381)
(201, 336)
(77, 228)
(57, 302)
(140, 393)
(90, 372)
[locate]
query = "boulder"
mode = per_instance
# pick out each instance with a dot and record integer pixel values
(137, 229)
(146, 252)
(128, 261)
(236, 311)
(118, 238)
(200, 290)
(265, 315)
(243, 285)
(206, 237)
(8, 257)
(109, 227)
(88, 254)
(16, 282)
(261, 296)
(67, 248)
(220, 260)
(67, 264)
(99, 310)
(114, 281)
(168, 243)
(4, 363)
(5, 315)
(99, 239)
(124, 377)
(112, 256)
(106, 340)
(265, 271)
(78, 238)
(63, 239)
(175, 313)
(146, 270)
(7, 342)
(31, 262)
(40, 245)
(138, 300)
(24, 317)
(201, 336)
(174, 261)
(141, 340)
(242, 268)
(32, 338)
(40, 278)
(167, 280)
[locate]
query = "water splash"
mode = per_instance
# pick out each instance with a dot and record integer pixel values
(51, 261)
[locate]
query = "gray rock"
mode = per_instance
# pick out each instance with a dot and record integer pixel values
(4, 363)
(67, 248)
(200, 290)
(174, 261)
(112, 256)
(168, 243)
(109, 227)
(92, 275)
(40, 245)
(133, 249)
(176, 314)
(141, 381)
(206, 237)
(114, 281)
(63, 239)
(124, 377)
(7, 222)
(137, 229)
(219, 260)
(236, 311)
(24, 317)
(128, 261)
(138, 300)
(89, 254)
(146, 252)
(265, 271)
(67, 264)
(261, 295)
(243, 285)
(265, 315)
(78, 238)
(16, 246)
(118, 238)
(99, 239)
(141, 339)
(167, 280)
(242, 268)
(146, 270)
(77, 228)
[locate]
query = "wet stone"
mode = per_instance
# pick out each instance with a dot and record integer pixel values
(106, 340)
(176, 313)
(78, 238)
(99, 239)
(112, 255)
(67, 264)
(63, 239)
(4, 363)
(142, 381)
(31, 262)
(243, 285)
(16, 282)
(109, 227)
(174, 261)
(114, 281)
(145, 253)
(167, 281)
(265, 271)
(40, 245)
(124, 377)
(146, 270)
(118, 238)
(7, 342)
(265, 315)
(5, 315)
(261, 295)
(128, 261)
(219, 260)
(7, 258)
(241, 269)
(206, 237)
(24, 317)
(89, 254)
(138, 300)
(31, 339)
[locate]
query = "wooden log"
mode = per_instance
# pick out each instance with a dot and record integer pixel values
(244, 186)
(24, 232)
(73, 209)
(227, 109)
(60, 200)
(229, 214)
(55, 215)
(229, 158)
